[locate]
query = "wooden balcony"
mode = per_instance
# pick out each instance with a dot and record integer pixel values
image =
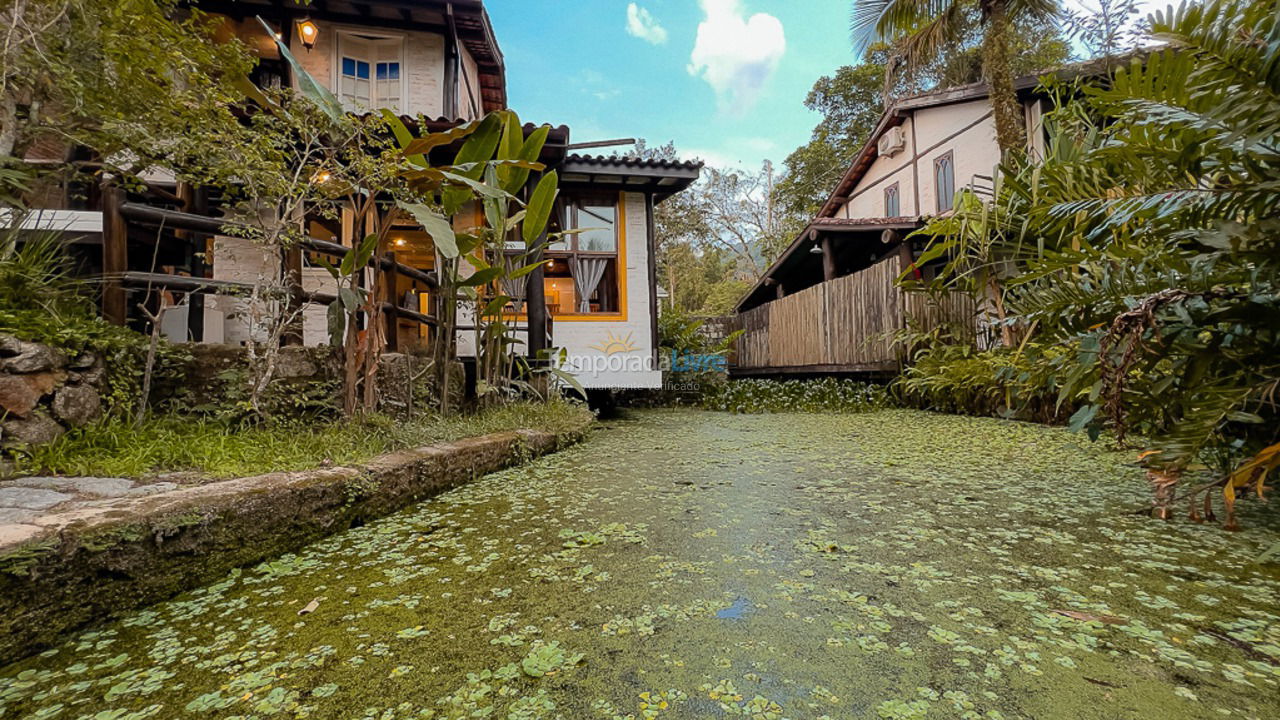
(841, 326)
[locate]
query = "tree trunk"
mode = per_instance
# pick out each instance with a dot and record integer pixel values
(1010, 133)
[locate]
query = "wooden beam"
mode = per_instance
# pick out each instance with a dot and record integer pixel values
(115, 255)
(393, 299)
(199, 205)
(861, 368)
(228, 287)
(292, 259)
(653, 274)
(828, 259)
(215, 226)
(535, 296)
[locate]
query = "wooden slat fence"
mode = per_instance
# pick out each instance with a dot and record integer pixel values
(842, 323)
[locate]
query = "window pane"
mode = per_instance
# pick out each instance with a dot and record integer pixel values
(388, 71)
(362, 70)
(348, 66)
(601, 219)
(945, 183)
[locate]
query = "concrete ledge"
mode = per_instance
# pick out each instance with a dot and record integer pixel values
(69, 569)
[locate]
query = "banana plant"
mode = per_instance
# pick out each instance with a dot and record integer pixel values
(494, 167)
(350, 300)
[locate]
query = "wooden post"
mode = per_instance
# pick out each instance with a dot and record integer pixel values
(653, 274)
(393, 299)
(535, 305)
(115, 256)
(905, 256)
(535, 293)
(199, 264)
(828, 259)
(292, 259)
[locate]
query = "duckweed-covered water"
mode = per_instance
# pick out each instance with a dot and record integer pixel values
(684, 564)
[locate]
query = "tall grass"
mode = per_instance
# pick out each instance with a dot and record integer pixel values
(218, 450)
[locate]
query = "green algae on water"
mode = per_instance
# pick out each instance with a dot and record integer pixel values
(686, 564)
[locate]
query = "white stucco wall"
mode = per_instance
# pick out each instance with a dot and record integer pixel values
(929, 133)
(227, 318)
(422, 64)
(583, 338)
(578, 337)
(867, 198)
(975, 150)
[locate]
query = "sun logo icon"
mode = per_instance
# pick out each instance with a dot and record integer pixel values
(614, 344)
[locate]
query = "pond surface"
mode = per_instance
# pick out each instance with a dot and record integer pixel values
(684, 564)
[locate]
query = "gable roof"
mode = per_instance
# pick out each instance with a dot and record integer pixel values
(793, 261)
(898, 112)
(798, 260)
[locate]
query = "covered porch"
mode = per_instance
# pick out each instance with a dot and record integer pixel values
(829, 304)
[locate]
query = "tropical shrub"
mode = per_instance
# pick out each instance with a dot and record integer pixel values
(1016, 383)
(40, 301)
(1148, 242)
(823, 395)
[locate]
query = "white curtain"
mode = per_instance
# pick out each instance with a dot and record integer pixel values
(587, 272)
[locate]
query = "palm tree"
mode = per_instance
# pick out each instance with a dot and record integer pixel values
(921, 29)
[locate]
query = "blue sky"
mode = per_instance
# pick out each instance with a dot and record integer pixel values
(575, 62)
(724, 79)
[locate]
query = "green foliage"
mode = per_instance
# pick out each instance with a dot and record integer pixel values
(132, 80)
(41, 302)
(1146, 244)
(1020, 383)
(220, 448)
(770, 396)
(683, 332)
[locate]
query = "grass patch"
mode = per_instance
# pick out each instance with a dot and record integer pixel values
(116, 448)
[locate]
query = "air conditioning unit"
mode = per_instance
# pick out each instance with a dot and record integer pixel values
(892, 142)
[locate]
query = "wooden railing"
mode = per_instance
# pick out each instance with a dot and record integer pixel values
(841, 325)
(118, 279)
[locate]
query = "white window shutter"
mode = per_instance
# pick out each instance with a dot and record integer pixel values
(355, 72)
(389, 73)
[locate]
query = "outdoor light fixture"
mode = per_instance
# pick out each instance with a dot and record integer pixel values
(321, 177)
(399, 242)
(308, 31)
(816, 250)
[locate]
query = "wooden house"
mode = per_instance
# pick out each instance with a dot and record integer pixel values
(436, 64)
(829, 302)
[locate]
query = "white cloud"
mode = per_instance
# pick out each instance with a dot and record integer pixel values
(642, 25)
(735, 54)
(713, 158)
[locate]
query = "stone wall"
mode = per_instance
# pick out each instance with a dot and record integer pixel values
(104, 558)
(307, 381)
(44, 392)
